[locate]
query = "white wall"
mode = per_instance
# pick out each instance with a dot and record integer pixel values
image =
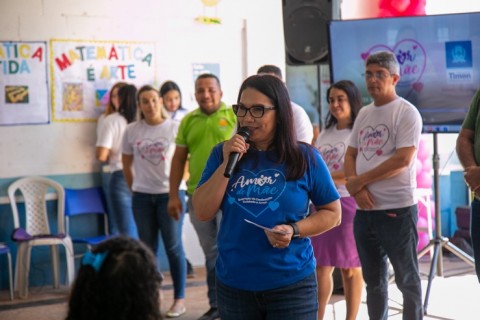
(68, 148)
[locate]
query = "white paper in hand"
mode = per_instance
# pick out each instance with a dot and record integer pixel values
(266, 228)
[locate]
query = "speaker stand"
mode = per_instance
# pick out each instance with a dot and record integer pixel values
(439, 241)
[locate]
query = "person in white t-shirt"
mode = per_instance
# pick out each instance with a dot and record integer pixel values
(381, 175)
(111, 107)
(109, 143)
(303, 125)
(148, 147)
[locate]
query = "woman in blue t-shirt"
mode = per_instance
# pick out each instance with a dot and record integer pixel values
(265, 267)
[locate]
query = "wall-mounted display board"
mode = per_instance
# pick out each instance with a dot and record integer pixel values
(83, 72)
(23, 83)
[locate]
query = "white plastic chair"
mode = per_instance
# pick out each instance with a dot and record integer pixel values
(36, 231)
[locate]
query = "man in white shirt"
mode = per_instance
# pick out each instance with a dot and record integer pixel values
(380, 172)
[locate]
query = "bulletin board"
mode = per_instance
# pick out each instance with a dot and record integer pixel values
(23, 83)
(83, 71)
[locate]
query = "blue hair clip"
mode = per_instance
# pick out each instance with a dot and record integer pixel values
(94, 259)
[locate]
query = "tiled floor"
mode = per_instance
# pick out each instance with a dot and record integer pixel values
(454, 296)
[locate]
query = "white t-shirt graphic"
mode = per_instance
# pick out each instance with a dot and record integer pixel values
(332, 144)
(152, 148)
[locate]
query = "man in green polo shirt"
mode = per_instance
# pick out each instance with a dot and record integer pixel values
(199, 131)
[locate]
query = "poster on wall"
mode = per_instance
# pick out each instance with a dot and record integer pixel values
(23, 83)
(83, 71)
(201, 68)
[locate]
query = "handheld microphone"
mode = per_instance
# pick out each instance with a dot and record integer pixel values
(244, 132)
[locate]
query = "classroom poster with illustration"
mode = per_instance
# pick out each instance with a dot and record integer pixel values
(83, 72)
(23, 83)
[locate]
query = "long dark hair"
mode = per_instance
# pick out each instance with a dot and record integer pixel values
(285, 143)
(128, 104)
(169, 86)
(125, 287)
(354, 99)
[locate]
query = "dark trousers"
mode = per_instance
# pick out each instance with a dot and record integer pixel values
(389, 234)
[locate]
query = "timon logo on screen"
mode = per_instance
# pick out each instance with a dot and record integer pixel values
(458, 56)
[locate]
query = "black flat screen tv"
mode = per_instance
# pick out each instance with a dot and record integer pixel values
(439, 57)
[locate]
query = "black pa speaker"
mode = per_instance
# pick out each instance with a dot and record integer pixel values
(305, 28)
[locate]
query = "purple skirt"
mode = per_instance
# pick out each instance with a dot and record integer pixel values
(337, 247)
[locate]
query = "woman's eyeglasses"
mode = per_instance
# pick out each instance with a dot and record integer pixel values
(256, 111)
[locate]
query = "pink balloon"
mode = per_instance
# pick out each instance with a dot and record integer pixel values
(427, 165)
(424, 180)
(422, 210)
(423, 151)
(422, 222)
(423, 240)
(418, 166)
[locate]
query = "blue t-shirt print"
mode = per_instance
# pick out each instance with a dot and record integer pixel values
(256, 192)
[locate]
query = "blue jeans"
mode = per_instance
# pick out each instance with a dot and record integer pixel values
(150, 212)
(475, 234)
(297, 301)
(121, 198)
(389, 233)
(207, 236)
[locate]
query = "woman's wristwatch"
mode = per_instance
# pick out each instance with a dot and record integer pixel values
(296, 232)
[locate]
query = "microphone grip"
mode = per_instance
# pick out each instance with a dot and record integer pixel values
(232, 162)
(244, 132)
